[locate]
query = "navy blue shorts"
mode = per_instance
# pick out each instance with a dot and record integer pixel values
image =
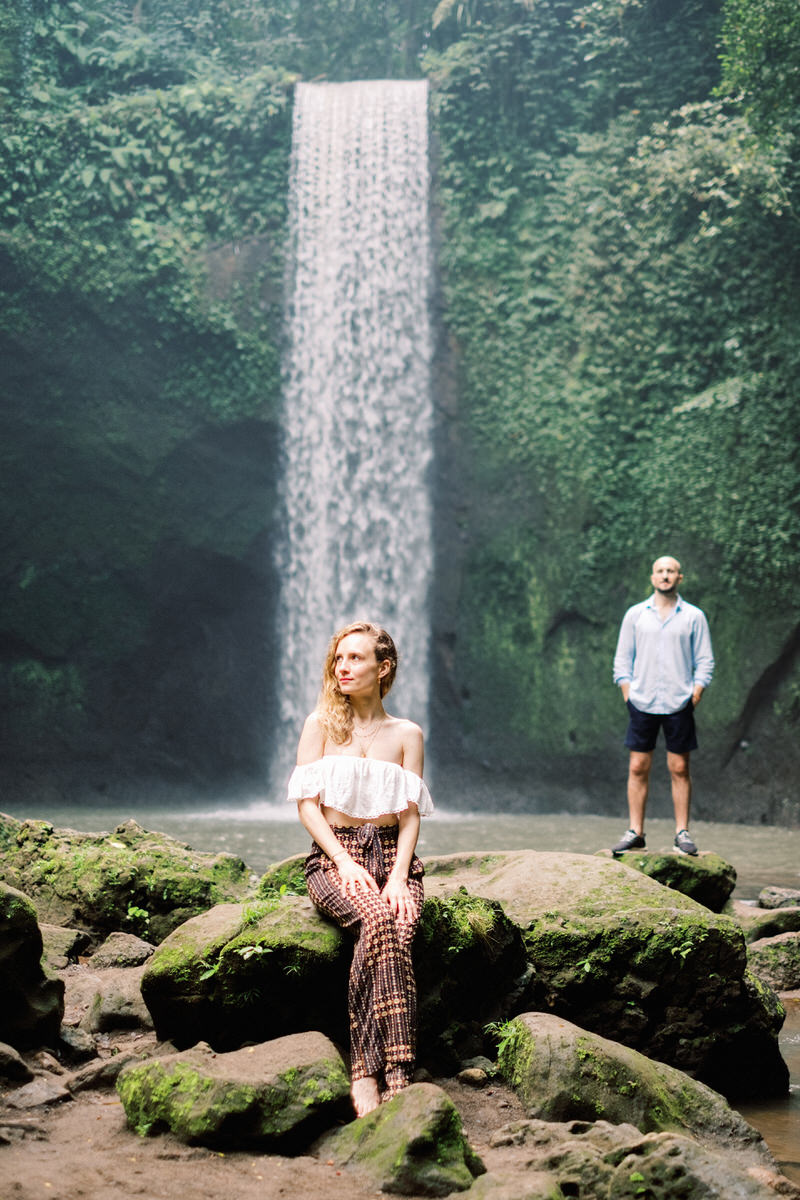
(679, 731)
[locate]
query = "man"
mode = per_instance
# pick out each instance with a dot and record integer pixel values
(663, 664)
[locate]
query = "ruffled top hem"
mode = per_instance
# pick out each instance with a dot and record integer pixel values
(364, 788)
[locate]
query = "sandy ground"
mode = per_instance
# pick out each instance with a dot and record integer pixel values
(83, 1148)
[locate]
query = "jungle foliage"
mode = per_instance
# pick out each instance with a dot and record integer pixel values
(616, 192)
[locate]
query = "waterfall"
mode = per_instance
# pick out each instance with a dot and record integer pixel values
(357, 403)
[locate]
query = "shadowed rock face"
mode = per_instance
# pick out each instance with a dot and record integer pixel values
(31, 1006)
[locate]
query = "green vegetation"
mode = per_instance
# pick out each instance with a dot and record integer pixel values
(619, 262)
(616, 194)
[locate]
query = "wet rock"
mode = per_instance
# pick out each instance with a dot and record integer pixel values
(779, 897)
(776, 961)
(413, 1145)
(121, 950)
(614, 951)
(564, 1073)
(277, 1094)
(103, 882)
(31, 1005)
(704, 877)
(13, 1066)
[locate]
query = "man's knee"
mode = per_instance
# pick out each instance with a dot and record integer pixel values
(678, 765)
(640, 764)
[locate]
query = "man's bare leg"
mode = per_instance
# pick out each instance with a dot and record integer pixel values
(678, 766)
(365, 1095)
(638, 782)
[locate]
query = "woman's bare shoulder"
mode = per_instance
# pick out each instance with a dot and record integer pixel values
(312, 740)
(403, 725)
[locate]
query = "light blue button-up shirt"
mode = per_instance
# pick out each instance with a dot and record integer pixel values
(663, 660)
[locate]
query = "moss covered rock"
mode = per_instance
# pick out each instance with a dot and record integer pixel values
(278, 1094)
(31, 1005)
(776, 961)
(618, 953)
(414, 1145)
(274, 965)
(704, 877)
(131, 879)
(471, 966)
(564, 1073)
(757, 922)
(245, 972)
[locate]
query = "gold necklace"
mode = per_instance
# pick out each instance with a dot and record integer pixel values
(372, 735)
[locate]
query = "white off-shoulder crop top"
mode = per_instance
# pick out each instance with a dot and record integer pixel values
(360, 787)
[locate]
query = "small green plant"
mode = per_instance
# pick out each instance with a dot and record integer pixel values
(211, 970)
(249, 951)
(584, 965)
(684, 950)
(505, 1034)
(138, 917)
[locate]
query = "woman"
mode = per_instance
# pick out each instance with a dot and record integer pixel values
(359, 792)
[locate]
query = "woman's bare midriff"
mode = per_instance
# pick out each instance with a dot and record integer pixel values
(333, 817)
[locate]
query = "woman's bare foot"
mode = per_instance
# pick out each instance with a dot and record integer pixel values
(365, 1095)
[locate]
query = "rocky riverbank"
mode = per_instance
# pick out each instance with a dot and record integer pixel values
(573, 1012)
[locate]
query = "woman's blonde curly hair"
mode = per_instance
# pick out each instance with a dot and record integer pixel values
(334, 710)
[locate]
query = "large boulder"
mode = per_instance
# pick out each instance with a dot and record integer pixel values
(563, 1073)
(130, 879)
(279, 1094)
(776, 961)
(617, 953)
(31, 1005)
(413, 1145)
(704, 877)
(602, 1161)
(245, 972)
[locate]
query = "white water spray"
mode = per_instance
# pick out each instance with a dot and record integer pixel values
(358, 418)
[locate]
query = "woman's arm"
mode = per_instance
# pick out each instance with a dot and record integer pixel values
(395, 891)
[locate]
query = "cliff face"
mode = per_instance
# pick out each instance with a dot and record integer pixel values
(616, 378)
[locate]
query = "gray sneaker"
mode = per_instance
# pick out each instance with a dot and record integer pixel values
(683, 843)
(629, 841)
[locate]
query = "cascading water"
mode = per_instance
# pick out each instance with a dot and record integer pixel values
(358, 416)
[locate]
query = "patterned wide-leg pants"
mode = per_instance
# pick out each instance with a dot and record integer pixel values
(382, 993)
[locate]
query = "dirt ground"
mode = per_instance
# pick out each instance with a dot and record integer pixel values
(83, 1148)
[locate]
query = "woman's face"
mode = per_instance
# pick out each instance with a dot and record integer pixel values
(355, 666)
